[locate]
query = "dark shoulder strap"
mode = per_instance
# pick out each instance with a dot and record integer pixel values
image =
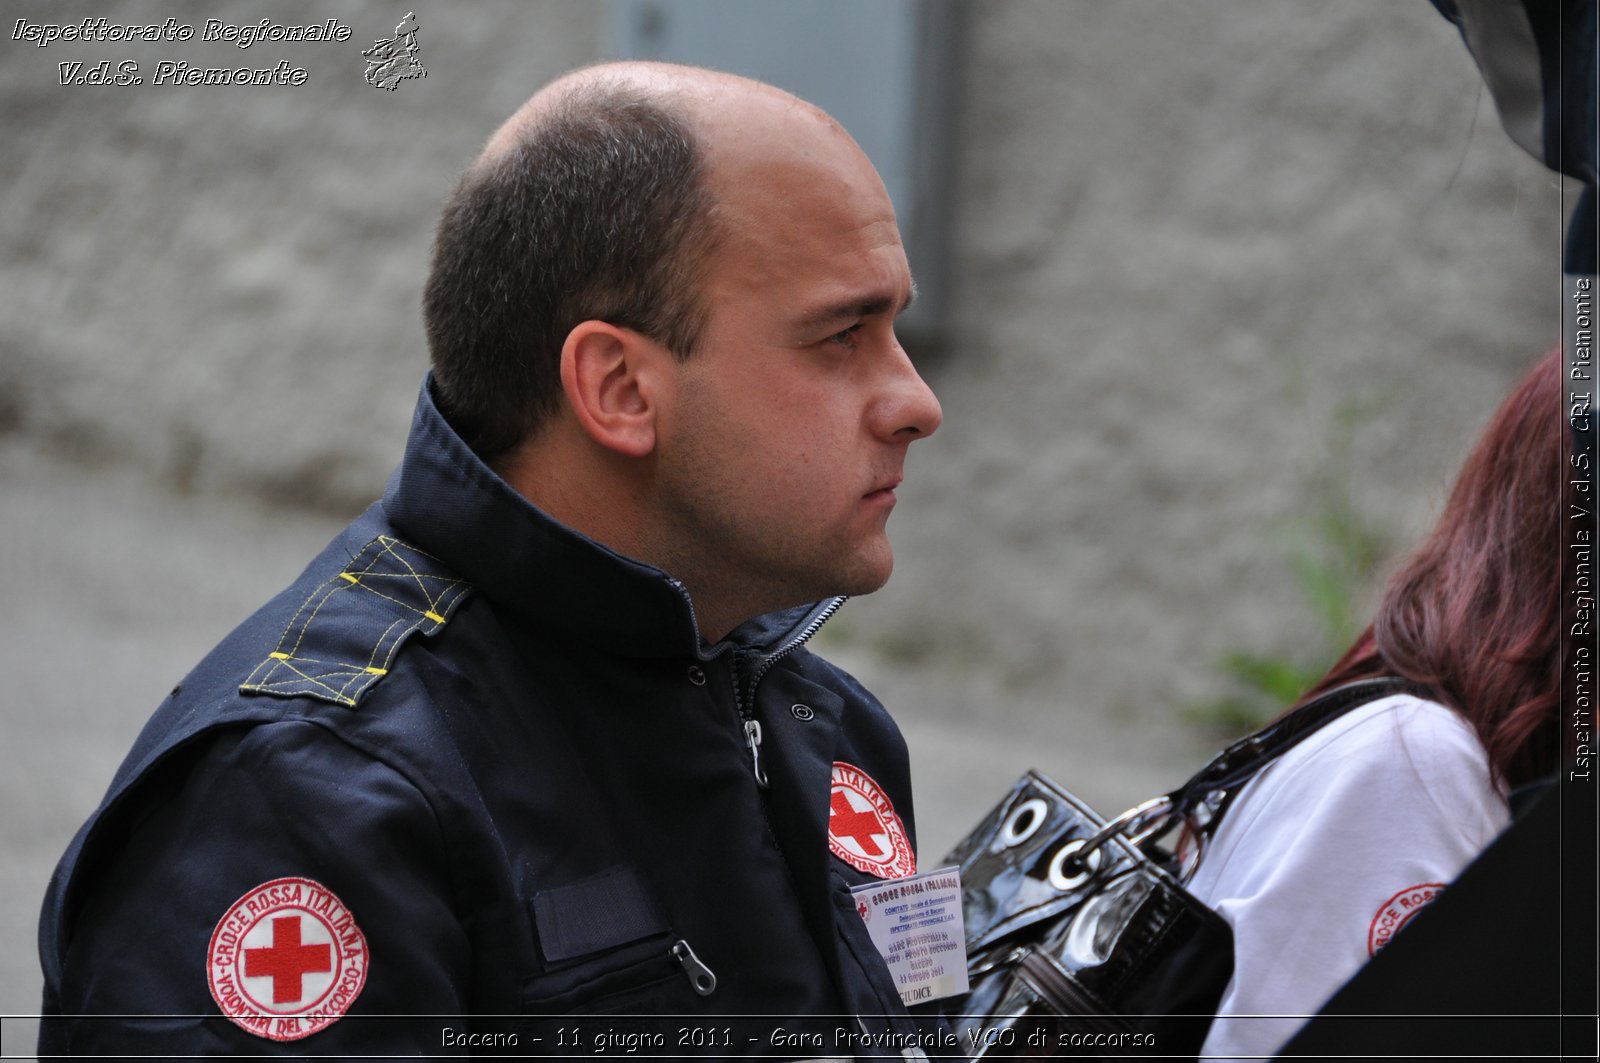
(1215, 785)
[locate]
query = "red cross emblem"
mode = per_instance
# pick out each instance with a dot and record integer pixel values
(286, 960)
(863, 829)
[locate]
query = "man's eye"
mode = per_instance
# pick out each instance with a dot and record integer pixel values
(846, 338)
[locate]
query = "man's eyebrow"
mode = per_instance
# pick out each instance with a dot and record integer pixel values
(854, 308)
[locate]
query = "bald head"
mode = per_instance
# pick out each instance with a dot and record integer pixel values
(601, 198)
(737, 125)
(718, 106)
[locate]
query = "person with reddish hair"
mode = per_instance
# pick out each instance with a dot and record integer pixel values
(1333, 847)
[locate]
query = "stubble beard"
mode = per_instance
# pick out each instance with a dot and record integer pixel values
(735, 564)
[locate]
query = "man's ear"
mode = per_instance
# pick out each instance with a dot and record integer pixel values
(610, 376)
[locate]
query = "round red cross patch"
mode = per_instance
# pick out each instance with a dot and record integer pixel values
(286, 960)
(1397, 912)
(863, 829)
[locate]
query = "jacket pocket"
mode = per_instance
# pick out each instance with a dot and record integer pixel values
(645, 975)
(607, 947)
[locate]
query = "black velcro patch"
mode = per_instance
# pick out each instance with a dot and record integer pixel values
(596, 913)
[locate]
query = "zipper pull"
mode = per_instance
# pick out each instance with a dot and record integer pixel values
(701, 978)
(752, 738)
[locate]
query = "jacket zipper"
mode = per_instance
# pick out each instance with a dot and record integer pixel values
(744, 698)
(746, 705)
(744, 692)
(701, 978)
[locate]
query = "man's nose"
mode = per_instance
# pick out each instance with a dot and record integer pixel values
(913, 411)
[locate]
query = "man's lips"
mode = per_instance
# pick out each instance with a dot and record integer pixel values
(884, 490)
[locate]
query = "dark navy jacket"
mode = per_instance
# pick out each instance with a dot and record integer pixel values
(502, 749)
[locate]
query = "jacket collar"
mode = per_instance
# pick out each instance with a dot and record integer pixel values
(447, 501)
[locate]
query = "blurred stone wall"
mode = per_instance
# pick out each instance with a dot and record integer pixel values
(1222, 270)
(1192, 242)
(221, 283)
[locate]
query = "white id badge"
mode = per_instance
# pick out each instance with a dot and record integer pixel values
(916, 923)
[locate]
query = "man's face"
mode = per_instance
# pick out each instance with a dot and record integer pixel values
(788, 436)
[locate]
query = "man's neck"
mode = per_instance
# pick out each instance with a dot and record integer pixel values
(580, 486)
(604, 497)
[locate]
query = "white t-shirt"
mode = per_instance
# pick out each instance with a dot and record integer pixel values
(1330, 849)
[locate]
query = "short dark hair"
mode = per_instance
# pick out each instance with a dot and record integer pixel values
(600, 212)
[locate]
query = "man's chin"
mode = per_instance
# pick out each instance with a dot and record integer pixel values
(869, 576)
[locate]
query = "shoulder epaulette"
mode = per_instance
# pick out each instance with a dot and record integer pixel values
(344, 637)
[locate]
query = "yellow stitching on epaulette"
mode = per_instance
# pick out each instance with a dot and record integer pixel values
(390, 549)
(332, 585)
(394, 647)
(265, 668)
(333, 588)
(389, 598)
(420, 585)
(386, 539)
(303, 609)
(327, 586)
(336, 671)
(378, 552)
(390, 647)
(460, 586)
(313, 680)
(357, 676)
(364, 674)
(296, 686)
(421, 579)
(449, 597)
(422, 588)
(367, 585)
(372, 658)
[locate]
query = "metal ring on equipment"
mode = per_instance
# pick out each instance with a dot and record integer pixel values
(1013, 834)
(1136, 823)
(1088, 861)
